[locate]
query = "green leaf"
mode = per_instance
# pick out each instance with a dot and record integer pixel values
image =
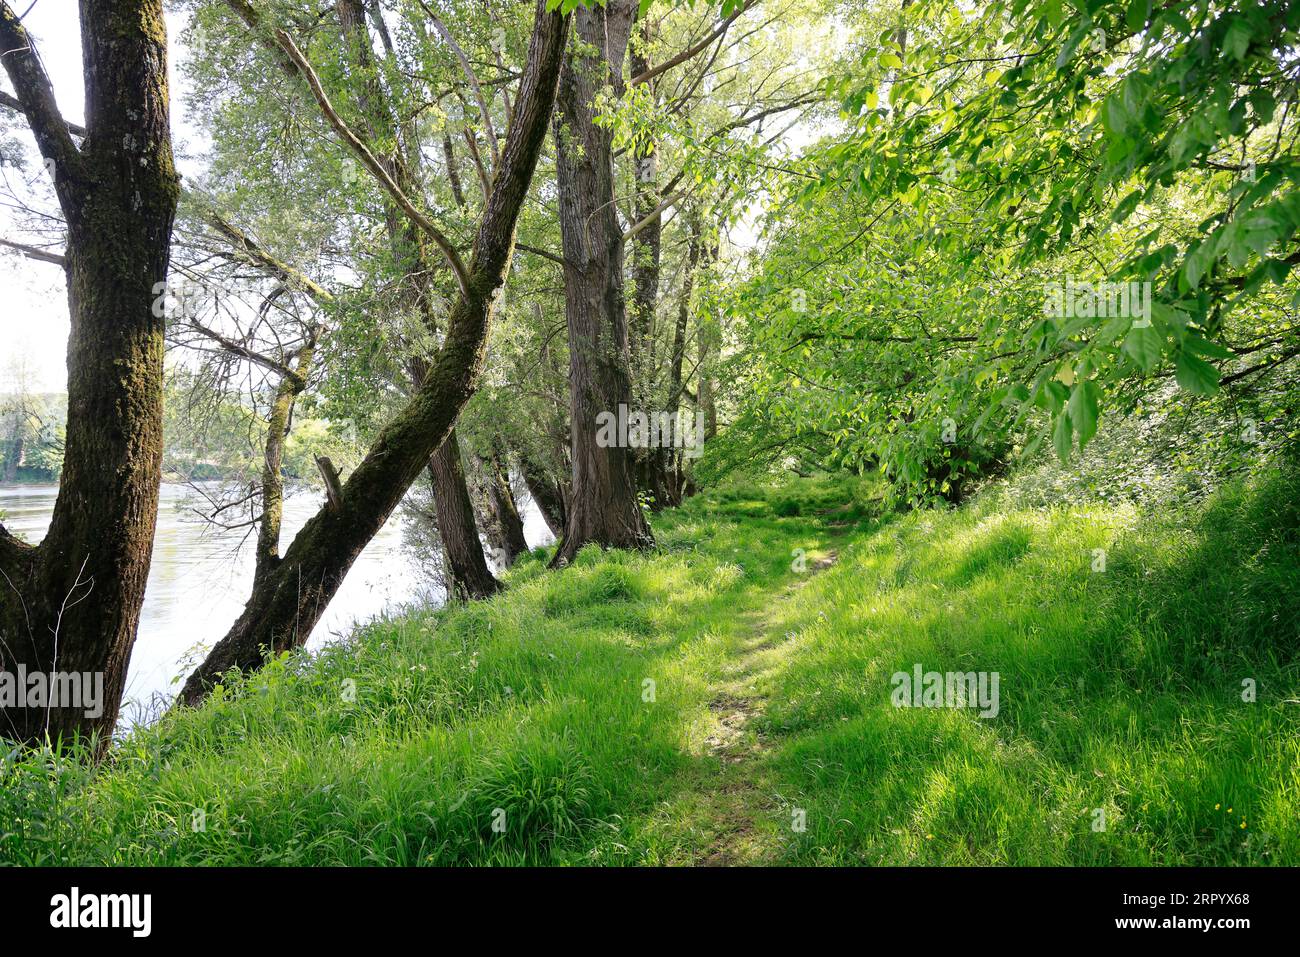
(1206, 348)
(1126, 206)
(1144, 345)
(1083, 410)
(1136, 15)
(1196, 375)
(1062, 437)
(1237, 39)
(1198, 263)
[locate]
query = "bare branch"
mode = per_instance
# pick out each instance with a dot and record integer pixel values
(34, 252)
(251, 252)
(655, 213)
(230, 345)
(36, 99)
(538, 251)
(654, 71)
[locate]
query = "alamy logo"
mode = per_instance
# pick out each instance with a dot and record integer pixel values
(952, 689)
(654, 430)
(53, 689)
(1098, 300)
(103, 910)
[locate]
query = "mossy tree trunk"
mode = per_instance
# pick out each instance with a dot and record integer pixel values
(72, 604)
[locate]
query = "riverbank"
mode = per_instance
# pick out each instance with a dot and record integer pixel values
(735, 698)
(200, 577)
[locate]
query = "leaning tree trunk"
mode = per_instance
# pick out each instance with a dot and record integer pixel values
(603, 507)
(281, 613)
(72, 604)
(466, 566)
(468, 574)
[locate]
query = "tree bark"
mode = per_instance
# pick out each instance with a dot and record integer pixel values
(72, 604)
(646, 245)
(547, 493)
(468, 575)
(669, 482)
(281, 613)
(603, 508)
(505, 512)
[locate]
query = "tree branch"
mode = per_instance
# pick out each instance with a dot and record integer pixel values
(471, 78)
(36, 99)
(654, 214)
(538, 251)
(34, 252)
(230, 345)
(654, 71)
(370, 161)
(254, 254)
(13, 103)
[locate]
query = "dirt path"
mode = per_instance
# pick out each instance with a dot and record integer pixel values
(742, 796)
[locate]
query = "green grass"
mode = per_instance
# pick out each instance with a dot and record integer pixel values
(1120, 689)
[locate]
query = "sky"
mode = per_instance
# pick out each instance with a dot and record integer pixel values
(33, 295)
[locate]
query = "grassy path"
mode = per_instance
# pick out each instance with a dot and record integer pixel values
(736, 801)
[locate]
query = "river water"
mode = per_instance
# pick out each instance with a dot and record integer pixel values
(200, 579)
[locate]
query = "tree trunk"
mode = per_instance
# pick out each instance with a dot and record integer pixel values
(603, 508)
(73, 603)
(669, 480)
(510, 527)
(281, 613)
(14, 457)
(646, 246)
(277, 431)
(547, 493)
(468, 575)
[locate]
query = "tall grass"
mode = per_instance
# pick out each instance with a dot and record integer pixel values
(569, 719)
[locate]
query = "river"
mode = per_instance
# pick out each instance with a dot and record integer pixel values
(200, 579)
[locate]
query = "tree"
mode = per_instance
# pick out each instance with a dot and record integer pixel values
(284, 607)
(72, 603)
(603, 506)
(1156, 140)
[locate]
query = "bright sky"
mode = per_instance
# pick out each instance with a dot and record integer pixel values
(33, 297)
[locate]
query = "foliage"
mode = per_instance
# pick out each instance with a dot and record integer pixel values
(994, 157)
